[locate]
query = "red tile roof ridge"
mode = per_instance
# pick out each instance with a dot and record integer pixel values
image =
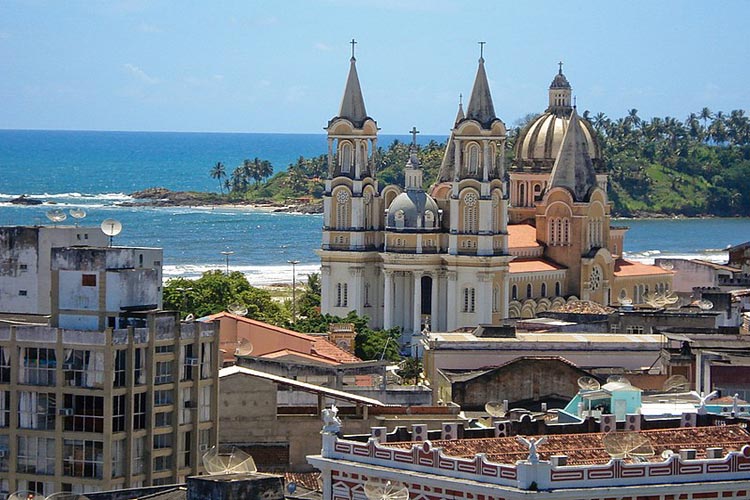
(290, 352)
(225, 314)
(332, 351)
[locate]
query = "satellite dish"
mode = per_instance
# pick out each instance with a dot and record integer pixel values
(26, 495)
(666, 454)
(244, 347)
(618, 379)
(237, 308)
(56, 215)
(667, 266)
(190, 318)
(234, 462)
(670, 298)
(705, 305)
(381, 489)
(588, 384)
(625, 301)
(76, 213)
(111, 228)
(676, 383)
(628, 445)
(495, 409)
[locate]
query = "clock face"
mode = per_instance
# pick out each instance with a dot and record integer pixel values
(342, 196)
(595, 278)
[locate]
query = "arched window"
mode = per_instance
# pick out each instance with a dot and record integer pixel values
(566, 231)
(514, 292)
(552, 238)
(469, 295)
(473, 159)
(346, 157)
(558, 289)
(559, 231)
(338, 294)
(544, 290)
(636, 297)
(343, 215)
(495, 299)
(529, 291)
(367, 294)
(471, 225)
(522, 195)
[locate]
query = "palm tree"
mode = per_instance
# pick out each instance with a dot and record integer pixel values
(705, 115)
(218, 172)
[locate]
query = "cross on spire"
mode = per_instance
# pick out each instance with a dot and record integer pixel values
(481, 49)
(560, 64)
(460, 99)
(353, 42)
(414, 133)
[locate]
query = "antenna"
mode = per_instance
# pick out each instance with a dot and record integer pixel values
(234, 462)
(77, 214)
(495, 409)
(628, 444)
(237, 308)
(56, 215)
(244, 347)
(111, 228)
(588, 384)
(676, 383)
(381, 489)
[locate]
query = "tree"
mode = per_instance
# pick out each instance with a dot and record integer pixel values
(214, 291)
(218, 172)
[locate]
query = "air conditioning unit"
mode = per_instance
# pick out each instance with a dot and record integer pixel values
(191, 361)
(607, 423)
(418, 432)
(688, 420)
(633, 422)
(452, 430)
(502, 428)
(379, 433)
(66, 412)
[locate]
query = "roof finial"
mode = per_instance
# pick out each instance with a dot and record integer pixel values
(481, 51)
(560, 70)
(460, 99)
(414, 133)
(353, 42)
(575, 100)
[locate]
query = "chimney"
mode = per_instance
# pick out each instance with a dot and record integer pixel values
(714, 452)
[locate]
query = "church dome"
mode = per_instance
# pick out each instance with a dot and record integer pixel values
(560, 82)
(539, 142)
(412, 210)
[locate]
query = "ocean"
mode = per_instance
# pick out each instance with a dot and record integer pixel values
(98, 170)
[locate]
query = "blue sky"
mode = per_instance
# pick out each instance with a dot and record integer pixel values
(280, 66)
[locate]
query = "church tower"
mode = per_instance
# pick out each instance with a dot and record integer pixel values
(471, 188)
(352, 208)
(573, 216)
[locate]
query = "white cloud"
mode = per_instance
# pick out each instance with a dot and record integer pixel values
(139, 74)
(322, 46)
(149, 28)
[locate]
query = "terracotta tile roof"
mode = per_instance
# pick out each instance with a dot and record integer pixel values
(714, 265)
(327, 349)
(255, 322)
(307, 480)
(290, 354)
(533, 266)
(583, 307)
(522, 236)
(588, 448)
(629, 268)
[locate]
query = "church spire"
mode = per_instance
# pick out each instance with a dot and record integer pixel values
(352, 103)
(573, 168)
(480, 106)
(460, 115)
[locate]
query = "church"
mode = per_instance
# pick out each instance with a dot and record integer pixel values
(478, 244)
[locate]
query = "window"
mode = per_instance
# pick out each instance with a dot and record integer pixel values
(367, 294)
(186, 406)
(558, 289)
(186, 439)
(341, 294)
(120, 368)
(36, 455)
(529, 291)
(83, 458)
(544, 290)
(470, 213)
(495, 299)
(37, 366)
(22, 293)
(88, 413)
(162, 463)
(83, 368)
(4, 408)
(164, 419)
(36, 410)
(204, 439)
(163, 373)
(469, 296)
(162, 441)
(88, 280)
(118, 458)
(118, 413)
(163, 349)
(139, 370)
(514, 292)
(204, 408)
(23, 267)
(139, 411)
(188, 360)
(163, 398)
(139, 455)
(4, 453)
(346, 157)
(4, 365)
(473, 159)
(206, 359)
(637, 329)
(342, 210)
